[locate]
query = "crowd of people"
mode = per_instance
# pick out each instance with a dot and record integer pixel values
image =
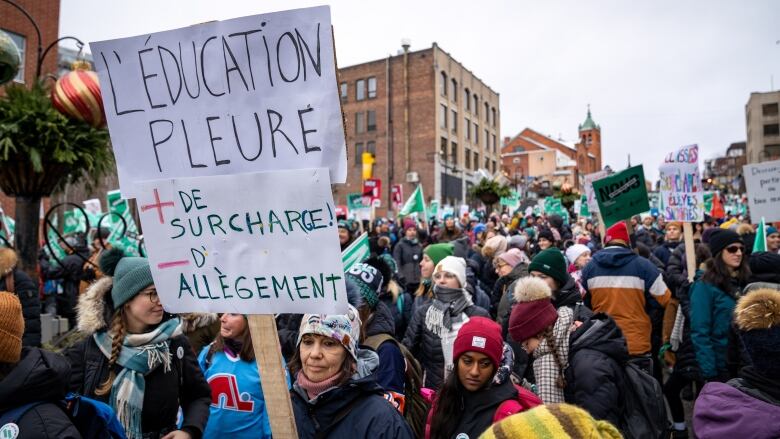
(494, 326)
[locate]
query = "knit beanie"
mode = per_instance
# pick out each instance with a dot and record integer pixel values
(546, 234)
(575, 251)
(130, 275)
(552, 421)
(482, 335)
(494, 246)
(344, 328)
(530, 231)
(552, 263)
(533, 311)
(722, 238)
(617, 232)
(517, 241)
(409, 224)
(437, 252)
(368, 280)
(512, 257)
(770, 230)
(757, 317)
(677, 224)
(11, 328)
(454, 265)
(705, 235)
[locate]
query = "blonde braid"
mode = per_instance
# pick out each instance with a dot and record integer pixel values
(117, 332)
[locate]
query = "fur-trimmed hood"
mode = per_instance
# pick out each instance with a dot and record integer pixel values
(92, 311)
(194, 321)
(8, 260)
(528, 289)
(760, 309)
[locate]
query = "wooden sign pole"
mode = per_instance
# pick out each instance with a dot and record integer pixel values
(268, 355)
(690, 252)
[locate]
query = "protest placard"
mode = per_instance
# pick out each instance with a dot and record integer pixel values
(682, 198)
(249, 94)
(621, 195)
(512, 201)
(762, 181)
(593, 205)
(259, 251)
(372, 189)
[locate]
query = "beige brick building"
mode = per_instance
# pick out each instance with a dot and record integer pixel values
(426, 118)
(762, 114)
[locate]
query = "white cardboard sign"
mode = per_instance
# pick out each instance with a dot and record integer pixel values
(257, 250)
(593, 205)
(249, 94)
(762, 181)
(681, 193)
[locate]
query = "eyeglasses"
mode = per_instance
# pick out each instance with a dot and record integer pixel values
(735, 248)
(153, 297)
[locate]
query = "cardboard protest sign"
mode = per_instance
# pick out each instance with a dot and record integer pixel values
(258, 251)
(513, 200)
(249, 94)
(762, 181)
(397, 195)
(119, 208)
(621, 195)
(372, 188)
(682, 198)
(593, 205)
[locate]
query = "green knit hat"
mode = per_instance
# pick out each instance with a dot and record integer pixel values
(131, 275)
(552, 263)
(437, 252)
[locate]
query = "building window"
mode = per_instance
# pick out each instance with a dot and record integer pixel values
(443, 85)
(358, 154)
(476, 105)
(371, 120)
(493, 111)
(360, 123)
(772, 129)
(360, 89)
(475, 163)
(454, 153)
(443, 116)
(467, 124)
(487, 113)
(454, 121)
(467, 99)
(343, 87)
(21, 43)
(494, 143)
(487, 163)
(476, 133)
(769, 109)
(371, 147)
(494, 166)
(454, 90)
(467, 159)
(487, 141)
(371, 87)
(516, 160)
(443, 149)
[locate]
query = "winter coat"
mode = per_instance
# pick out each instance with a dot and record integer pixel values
(664, 251)
(287, 327)
(569, 296)
(504, 286)
(401, 308)
(594, 378)
(390, 373)
(676, 269)
(27, 291)
(646, 237)
(366, 414)
(711, 314)
(625, 285)
(545, 367)
(39, 376)
(71, 271)
(426, 346)
(200, 328)
(449, 235)
(407, 255)
(723, 411)
(183, 385)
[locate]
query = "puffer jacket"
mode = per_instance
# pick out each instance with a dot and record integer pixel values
(366, 414)
(711, 314)
(390, 373)
(664, 251)
(27, 291)
(676, 269)
(426, 346)
(594, 378)
(39, 376)
(407, 255)
(503, 287)
(722, 411)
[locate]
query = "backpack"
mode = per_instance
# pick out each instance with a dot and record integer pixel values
(644, 413)
(416, 407)
(92, 418)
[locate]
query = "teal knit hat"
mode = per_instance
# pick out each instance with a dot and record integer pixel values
(131, 275)
(437, 252)
(552, 263)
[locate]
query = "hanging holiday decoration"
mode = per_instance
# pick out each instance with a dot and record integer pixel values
(77, 95)
(10, 59)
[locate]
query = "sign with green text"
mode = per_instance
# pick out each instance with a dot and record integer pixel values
(621, 195)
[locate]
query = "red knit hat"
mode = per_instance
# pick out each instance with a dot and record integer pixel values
(618, 232)
(481, 335)
(528, 319)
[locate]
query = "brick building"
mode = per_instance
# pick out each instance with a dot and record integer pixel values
(725, 173)
(426, 119)
(532, 156)
(762, 116)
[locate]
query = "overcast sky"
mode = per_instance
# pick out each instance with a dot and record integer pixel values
(658, 75)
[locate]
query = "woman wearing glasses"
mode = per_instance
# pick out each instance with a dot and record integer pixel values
(434, 326)
(713, 297)
(136, 358)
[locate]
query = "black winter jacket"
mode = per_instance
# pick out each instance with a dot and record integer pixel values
(480, 407)
(407, 255)
(676, 269)
(595, 377)
(503, 286)
(165, 391)
(685, 357)
(664, 251)
(71, 272)
(39, 376)
(27, 291)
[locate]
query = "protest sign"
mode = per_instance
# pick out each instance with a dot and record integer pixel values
(593, 205)
(433, 209)
(621, 195)
(372, 189)
(355, 201)
(682, 198)
(260, 251)
(356, 252)
(249, 94)
(119, 210)
(342, 211)
(513, 200)
(397, 195)
(762, 181)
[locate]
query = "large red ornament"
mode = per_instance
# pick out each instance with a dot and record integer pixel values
(77, 95)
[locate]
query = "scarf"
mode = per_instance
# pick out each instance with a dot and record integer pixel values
(312, 389)
(140, 355)
(445, 317)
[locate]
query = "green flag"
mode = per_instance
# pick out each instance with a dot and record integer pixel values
(759, 245)
(415, 203)
(358, 251)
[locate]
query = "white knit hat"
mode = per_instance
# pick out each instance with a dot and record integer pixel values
(454, 265)
(575, 251)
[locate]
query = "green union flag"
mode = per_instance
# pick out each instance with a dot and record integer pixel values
(415, 203)
(358, 251)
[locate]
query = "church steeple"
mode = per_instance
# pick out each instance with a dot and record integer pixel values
(589, 124)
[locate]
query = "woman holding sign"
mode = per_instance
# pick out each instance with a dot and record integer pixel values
(137, 360)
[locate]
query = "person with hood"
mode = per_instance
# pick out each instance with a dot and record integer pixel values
(552, 421)
(71, 272)
(432, 255)
(400, 302)
(493, 247)
(747, 406)
(560, 231)
(510, 266)
(578, 256)
(451, 231)
(764, 267)
(625, 285)
(672, 239)
(335, 394)
(29, 375)
(16, 281)
(713, 297)
(407, 254)
(231, 357)
(135, 357)
(431, 333)
(475, 396)
(543, 332)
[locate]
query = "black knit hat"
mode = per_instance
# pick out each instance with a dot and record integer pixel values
(546, 234)
(721, 239)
